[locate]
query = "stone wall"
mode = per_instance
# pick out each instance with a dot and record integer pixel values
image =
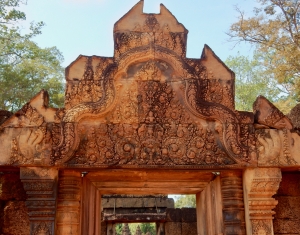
(286, 219)
(181, 221)
(14, 219)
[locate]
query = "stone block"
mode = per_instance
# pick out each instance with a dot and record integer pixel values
(11, 187)
(137, 202)
(189, 228)
(103, 228)
(288, 207)
(284, 226)
(173, 228)
(174, 215)
(290, 184)
(188, 215)
(15, 219)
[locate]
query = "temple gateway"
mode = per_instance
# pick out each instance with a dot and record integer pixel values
(149, 121)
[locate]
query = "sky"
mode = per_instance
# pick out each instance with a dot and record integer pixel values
(86, 26)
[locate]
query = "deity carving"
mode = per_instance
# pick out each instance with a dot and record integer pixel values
(148, 105)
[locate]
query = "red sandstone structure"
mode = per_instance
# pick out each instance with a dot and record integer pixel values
(149, 121)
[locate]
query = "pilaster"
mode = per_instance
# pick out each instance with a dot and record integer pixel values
(260, 185)
(68, 203)
(40, 184)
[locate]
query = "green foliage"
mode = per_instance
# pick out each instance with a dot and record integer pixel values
(252, 80)
(148, 227)
(118, 229)
(25, 68)
(274, 31)
(145, 227)
(185, 201)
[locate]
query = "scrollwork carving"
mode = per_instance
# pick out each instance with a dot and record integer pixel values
(231, 127)
(274, 148)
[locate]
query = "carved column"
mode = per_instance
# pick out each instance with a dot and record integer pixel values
(260, 184)
(233, 203)
(40, 186)
(68, 203)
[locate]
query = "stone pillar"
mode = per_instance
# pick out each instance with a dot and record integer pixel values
(209, 209)
(233, 203)
(110, 229)
(40, 184)
(260, 184)
(68, 203)
(160, 227)
(91, 209)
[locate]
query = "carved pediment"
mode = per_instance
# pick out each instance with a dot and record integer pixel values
(147, 106)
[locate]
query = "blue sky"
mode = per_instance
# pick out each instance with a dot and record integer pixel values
(86, 26)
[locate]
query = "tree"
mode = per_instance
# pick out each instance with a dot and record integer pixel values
(118, 229)
(274, 31)
(25, 68)
(185, 201)
(148, 227)
(251, 80)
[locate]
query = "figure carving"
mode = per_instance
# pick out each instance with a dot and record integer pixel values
(148, 105)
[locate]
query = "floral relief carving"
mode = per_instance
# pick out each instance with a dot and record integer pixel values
(261, 227)
(265, 183)
(29, 116)
(42, 228)
(147, 105)
(150, 34)
(90, 87)
(234, 138)
(165, 134)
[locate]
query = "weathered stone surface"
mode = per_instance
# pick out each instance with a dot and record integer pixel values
(294, 116)
(137, 202)
(11, 187)
(104, 228)
(173, 228)
(286, 226)
(189, 228)
(286, 219)
(277, 148)
(188, 215)
(15, 219)
(267, 114)
(2, 203)
(174, 215)
(288, 207)
(290, 185)
(4, 115)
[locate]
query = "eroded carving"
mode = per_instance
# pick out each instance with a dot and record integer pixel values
(265, 183)
(274, 147)
(267, 114)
